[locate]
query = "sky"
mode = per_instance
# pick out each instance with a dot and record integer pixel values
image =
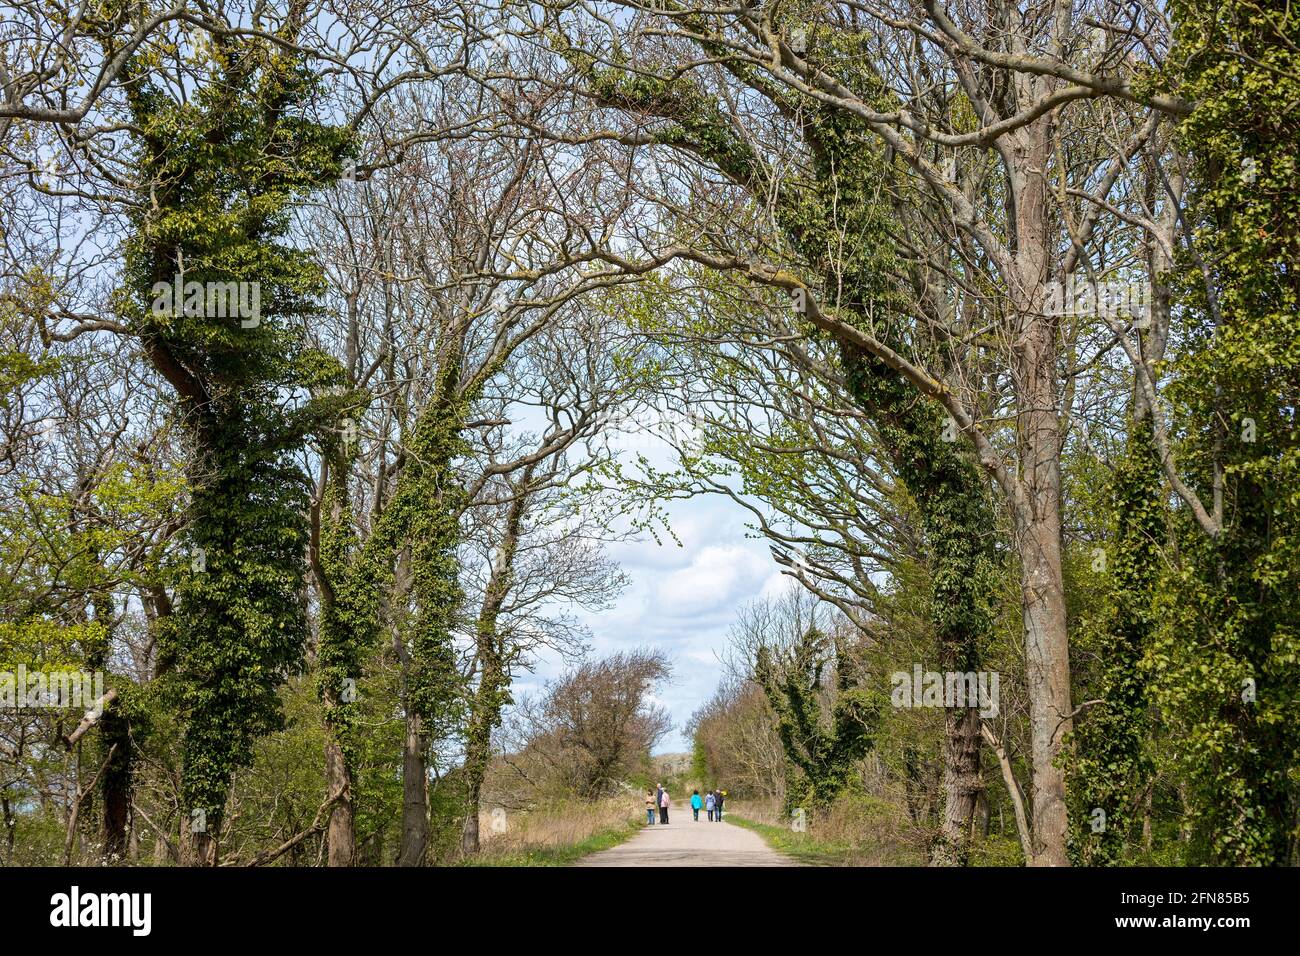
(682, 600)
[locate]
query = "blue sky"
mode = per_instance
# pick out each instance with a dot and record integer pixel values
(682, 599)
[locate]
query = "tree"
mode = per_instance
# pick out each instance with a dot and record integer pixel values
(1224, 665)
(538, 529)
(596, 724)
(809, 669)
(463, 260)
(220, 166)
(839, 196)
(954, 138)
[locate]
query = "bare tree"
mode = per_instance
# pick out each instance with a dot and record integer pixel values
(597, 723)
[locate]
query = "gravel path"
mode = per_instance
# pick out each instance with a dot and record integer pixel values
(687, 843)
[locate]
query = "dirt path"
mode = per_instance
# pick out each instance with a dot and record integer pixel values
(687, 843)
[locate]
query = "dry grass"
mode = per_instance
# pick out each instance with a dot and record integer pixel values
(856, 831)
(558, 833)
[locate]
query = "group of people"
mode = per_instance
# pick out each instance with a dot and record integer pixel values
(658, 801)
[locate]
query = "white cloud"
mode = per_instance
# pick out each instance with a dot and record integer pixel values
(682, 600)
(716, 578)
(777, 583)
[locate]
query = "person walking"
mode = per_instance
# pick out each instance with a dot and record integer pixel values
(664, 804)
(696, 803)
(717, 809)
(650, 808)
(709, 802)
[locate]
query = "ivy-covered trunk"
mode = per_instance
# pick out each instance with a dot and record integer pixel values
(116, 750)
(211, 287)
(1109, 776)
(426, 512)
(238, 626)
(953, 507)
(493, 691)
(485, 713)
(1227, 664)
(956, 525)
(350, 581)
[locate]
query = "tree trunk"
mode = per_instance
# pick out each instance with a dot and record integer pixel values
(955, 522)
(116, 748)
(1042, 586)
(491, 695)
(200, 848)
(206, 850)
(348, 612)
(911, 783)
(1147, 836)
(980, 823)
(341, 835)
(11, 828)
(1037, 502)
(1048, 677)
(115, 785)
(415, 795)
(1024, 829)
(962, 785)
(469, 837)
(1038, 542)
(415, 775)
(478, 744)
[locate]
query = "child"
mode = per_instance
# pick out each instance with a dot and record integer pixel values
(695, 805)
(708, 805)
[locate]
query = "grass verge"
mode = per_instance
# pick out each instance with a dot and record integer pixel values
(800, 847)
(564, 855)
(556, 834)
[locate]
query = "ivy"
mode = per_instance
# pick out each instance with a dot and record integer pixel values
(1226, 664)
(823, 748)
(222, 169)
(1110, 767)
(838, 223)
